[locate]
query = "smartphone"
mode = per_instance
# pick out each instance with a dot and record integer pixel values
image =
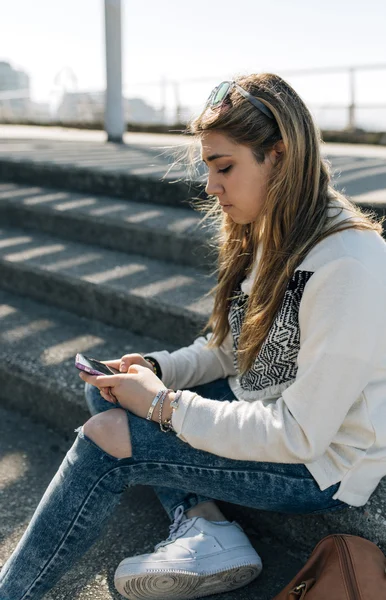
(93, 366)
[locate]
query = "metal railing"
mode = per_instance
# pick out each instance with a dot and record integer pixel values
(173, 102)
(351, 109)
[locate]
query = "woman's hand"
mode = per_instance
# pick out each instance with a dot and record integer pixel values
(123, 364)
(134, 390)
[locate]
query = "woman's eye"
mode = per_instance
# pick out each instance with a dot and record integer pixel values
(225, 170)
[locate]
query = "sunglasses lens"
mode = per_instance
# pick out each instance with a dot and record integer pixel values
(220, 93)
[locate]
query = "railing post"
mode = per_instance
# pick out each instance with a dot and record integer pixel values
(351, 108)
(177, 101)
(114, 120)
(163, 99)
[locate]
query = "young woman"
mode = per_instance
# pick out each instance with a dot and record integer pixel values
(281, 407)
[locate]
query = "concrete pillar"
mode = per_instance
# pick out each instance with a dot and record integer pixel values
(114, 121)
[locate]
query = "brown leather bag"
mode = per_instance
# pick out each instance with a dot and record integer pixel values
(341, 567)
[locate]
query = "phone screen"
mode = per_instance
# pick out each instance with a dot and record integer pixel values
(94, 365)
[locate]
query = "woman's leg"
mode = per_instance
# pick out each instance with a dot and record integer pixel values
(69, 517)
(172, 498)
(67, 521)
(72, 513)
(90, 481)
(199, 556)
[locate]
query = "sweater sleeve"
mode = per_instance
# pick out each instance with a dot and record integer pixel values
(196, 364)
(341, 319)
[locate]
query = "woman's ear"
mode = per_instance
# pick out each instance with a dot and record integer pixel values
(276, 152)
(279, 149)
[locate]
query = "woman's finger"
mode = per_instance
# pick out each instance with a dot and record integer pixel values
(100, 381)
(130, 359)
(112, 363)
(114, 399)
(106, 396)
(91, 379)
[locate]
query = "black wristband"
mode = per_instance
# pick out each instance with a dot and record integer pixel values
(156, 363)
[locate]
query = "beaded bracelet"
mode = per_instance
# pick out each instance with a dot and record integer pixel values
(155, 365)
(152, 364)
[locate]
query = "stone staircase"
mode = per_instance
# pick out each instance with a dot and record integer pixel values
(108, 275)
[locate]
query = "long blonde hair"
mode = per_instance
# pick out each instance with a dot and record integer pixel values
(295, 215)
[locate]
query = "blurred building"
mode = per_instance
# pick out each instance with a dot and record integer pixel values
(14, 92)
(11, 79)
(89, 107)
(39, 112)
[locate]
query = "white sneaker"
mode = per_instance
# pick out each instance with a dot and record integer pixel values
(198, 558)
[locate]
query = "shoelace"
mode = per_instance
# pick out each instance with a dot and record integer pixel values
(174, 528)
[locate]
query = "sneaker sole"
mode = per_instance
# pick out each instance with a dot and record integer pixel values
(180, 585)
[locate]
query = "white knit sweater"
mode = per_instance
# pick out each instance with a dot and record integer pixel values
(316, 393)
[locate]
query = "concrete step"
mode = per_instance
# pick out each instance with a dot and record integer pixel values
(147, 170)
(39, 341)
(30, 455)
(145, 295)
(37, 353)
(38, 379)
(164, 232)
(137, 173)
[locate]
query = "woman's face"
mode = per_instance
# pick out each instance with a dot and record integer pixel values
(235, 177)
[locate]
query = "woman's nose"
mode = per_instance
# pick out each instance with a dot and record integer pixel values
(213, 188)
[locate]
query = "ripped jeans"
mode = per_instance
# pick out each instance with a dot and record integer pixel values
(89, 484)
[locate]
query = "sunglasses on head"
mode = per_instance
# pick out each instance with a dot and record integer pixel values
(222, 91)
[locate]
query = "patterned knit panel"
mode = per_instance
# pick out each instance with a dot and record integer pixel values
(276, 361)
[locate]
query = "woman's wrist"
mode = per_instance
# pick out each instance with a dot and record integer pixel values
(167, 400)
(166, 408)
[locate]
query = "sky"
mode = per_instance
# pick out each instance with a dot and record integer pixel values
(177, 40)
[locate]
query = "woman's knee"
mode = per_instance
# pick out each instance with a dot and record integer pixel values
(110, 431)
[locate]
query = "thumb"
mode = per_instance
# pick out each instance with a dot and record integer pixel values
(124, 365)
(138, 369)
